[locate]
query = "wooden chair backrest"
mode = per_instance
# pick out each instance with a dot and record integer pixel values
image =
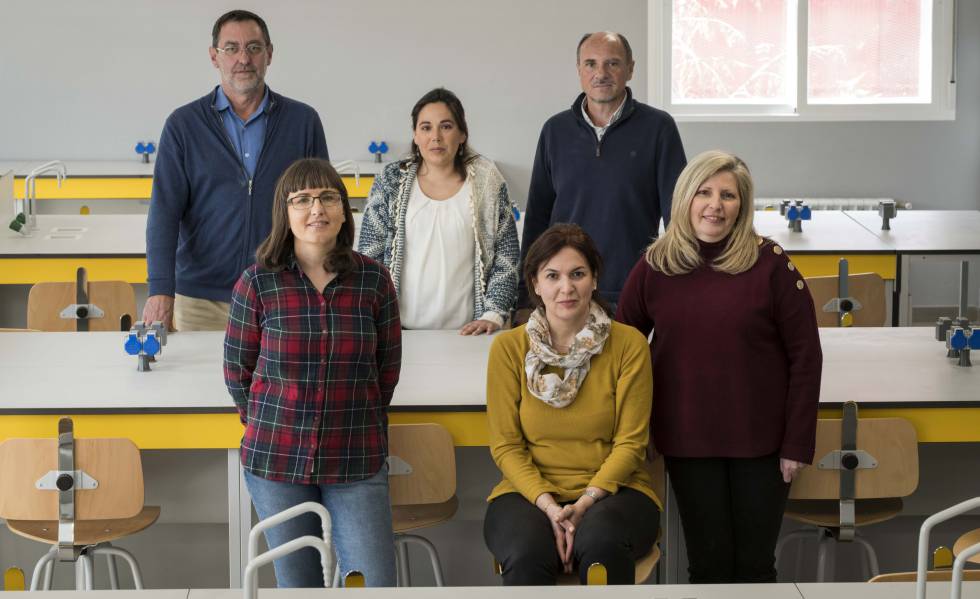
(891, 441)
(966, 541)
(114, 463)
(931, 576)
(46, 301)
(429, 450)
(657, 472)
(866, 287)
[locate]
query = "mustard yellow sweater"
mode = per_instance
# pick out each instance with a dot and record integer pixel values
(598, 440)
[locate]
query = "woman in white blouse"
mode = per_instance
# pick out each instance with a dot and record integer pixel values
(442, 222)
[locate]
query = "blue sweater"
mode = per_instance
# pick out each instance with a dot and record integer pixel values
(616, 189)
(206, 216)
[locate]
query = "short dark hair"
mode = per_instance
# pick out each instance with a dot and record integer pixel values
(238, 16)
(622, 39)
(276, 252)
(553, 240)
(440, 94)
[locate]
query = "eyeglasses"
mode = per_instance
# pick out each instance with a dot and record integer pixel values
(253, 49)
(328, 199)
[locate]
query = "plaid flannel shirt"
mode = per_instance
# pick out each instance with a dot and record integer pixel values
(312, 374)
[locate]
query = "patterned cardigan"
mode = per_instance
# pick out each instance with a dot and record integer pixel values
(495, 232)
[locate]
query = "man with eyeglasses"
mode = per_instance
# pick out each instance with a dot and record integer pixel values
(218, 162)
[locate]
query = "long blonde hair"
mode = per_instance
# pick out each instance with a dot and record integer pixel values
(676, 251)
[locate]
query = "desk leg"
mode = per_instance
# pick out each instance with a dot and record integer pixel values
(904, 294)
(891, 306)
(239, 520)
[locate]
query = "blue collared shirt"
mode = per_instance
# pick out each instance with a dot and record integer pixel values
(247, 136)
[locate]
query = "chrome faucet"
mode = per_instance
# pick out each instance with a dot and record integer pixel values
(30, 191)
(347, 166)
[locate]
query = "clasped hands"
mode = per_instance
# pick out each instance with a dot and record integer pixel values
(565, 520)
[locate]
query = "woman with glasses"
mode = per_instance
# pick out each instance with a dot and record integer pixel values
(311, 358)
(442, 222)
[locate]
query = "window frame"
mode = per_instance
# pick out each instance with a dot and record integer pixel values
(942, 106)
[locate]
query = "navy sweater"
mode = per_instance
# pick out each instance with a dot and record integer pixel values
(616, 189)
(206, 217)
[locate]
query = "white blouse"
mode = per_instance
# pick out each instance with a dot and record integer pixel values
(437, 275)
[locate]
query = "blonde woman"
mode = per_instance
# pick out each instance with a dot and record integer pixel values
(736, 363)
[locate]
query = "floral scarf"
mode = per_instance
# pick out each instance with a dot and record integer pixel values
(549, 387)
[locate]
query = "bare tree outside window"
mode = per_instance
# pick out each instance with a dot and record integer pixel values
(869, 50)
(730, 51)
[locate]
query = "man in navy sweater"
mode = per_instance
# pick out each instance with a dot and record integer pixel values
(213, 182)
(609, 164)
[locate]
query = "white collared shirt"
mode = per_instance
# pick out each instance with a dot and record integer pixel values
(600, 131)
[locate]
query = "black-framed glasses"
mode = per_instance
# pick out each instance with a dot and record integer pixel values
(328, 199)
(252, 49)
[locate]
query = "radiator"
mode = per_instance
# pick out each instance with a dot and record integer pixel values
(829, 203)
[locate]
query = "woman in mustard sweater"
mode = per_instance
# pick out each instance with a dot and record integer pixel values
(568, 403)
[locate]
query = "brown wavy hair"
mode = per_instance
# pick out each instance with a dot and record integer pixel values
(276, 252)
(553, 240)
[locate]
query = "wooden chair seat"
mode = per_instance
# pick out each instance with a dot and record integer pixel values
(87, 532)
(826, 513)
(931, 576)
(422, 488)
(109, 509)
(646, 564)
(968, 540)
(405, 518)
(644, 567)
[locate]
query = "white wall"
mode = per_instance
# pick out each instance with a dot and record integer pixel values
(86, 80)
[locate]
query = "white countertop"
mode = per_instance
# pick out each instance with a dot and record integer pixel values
(121, 594)
(77, 236)
(925, 231)
(829, 231)
(826, 590)
(900, 366)
(14, 166)
(881, 590)
(742, 591)
(106, 235)
(441, 370)
(129, 168)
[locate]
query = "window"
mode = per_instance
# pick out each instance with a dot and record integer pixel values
(802, 59)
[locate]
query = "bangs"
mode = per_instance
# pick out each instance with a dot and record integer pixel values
(311, 173)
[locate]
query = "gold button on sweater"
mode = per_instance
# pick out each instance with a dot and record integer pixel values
(598, 440)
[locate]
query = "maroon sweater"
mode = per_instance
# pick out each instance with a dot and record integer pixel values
(736, 358)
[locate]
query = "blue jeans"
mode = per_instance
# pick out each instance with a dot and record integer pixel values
(362, 535)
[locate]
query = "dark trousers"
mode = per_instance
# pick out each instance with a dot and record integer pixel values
(615, 532)
(731, 510)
